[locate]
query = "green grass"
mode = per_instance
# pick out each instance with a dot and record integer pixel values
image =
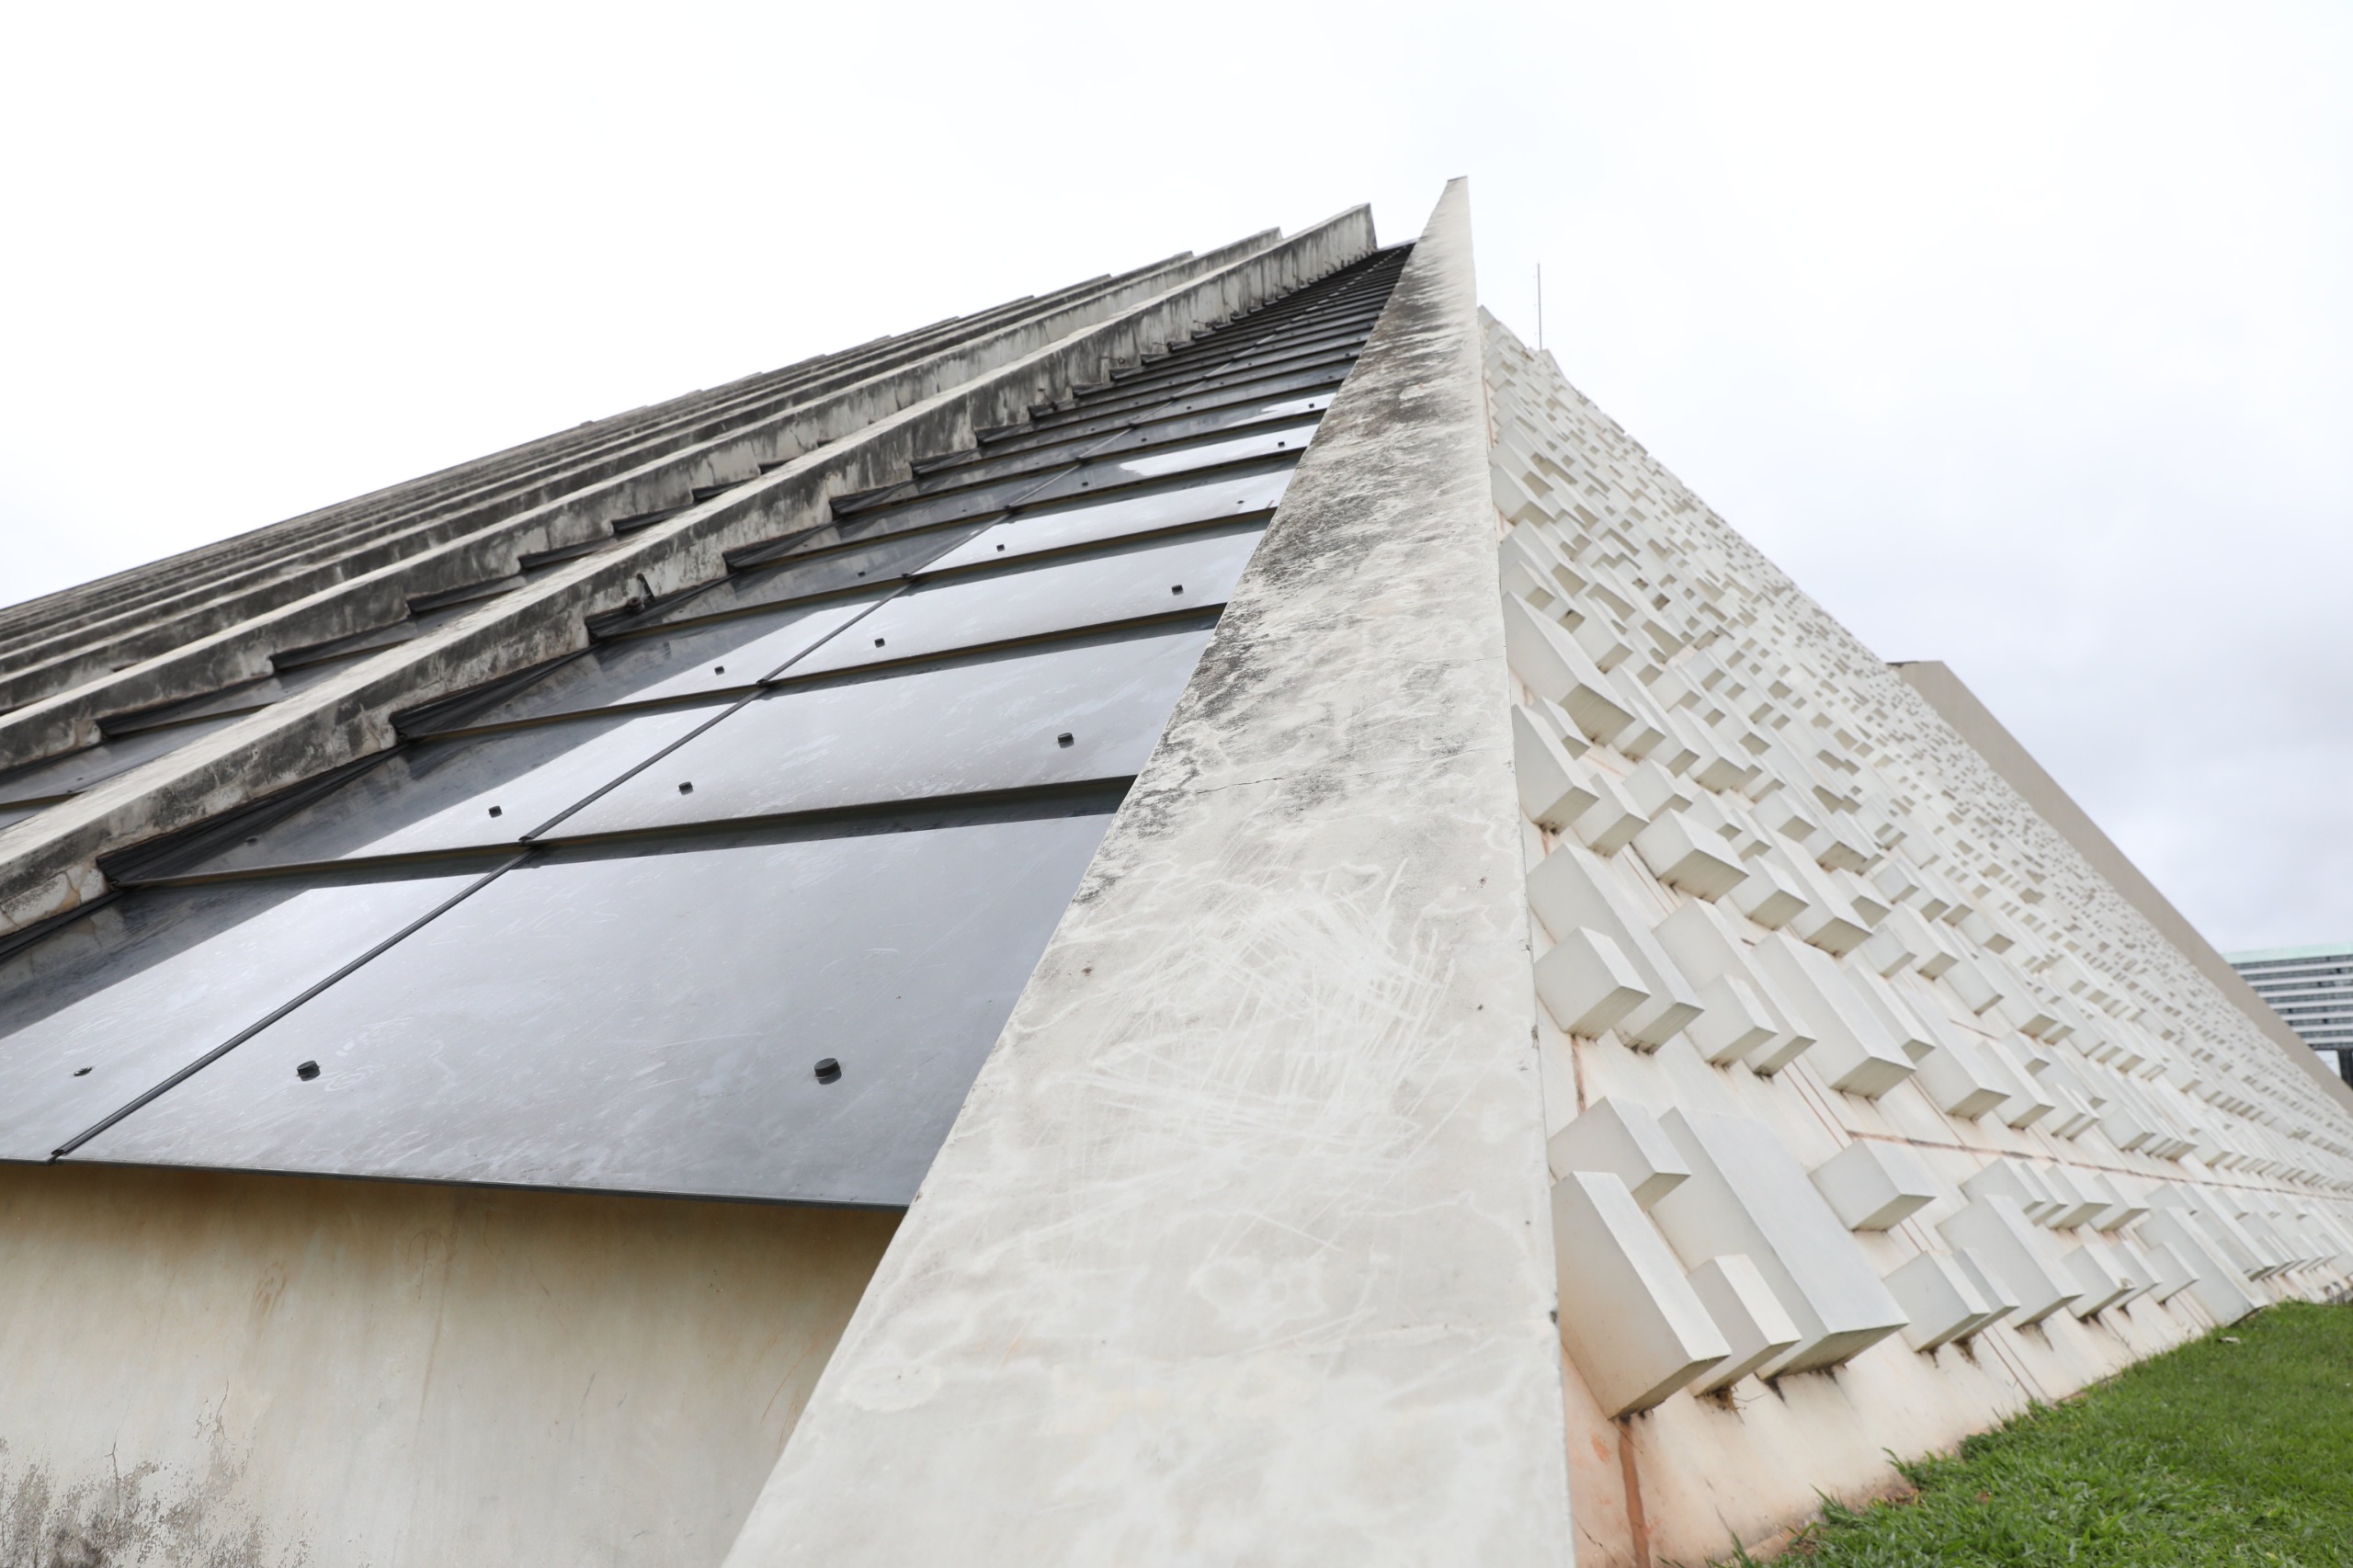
(2213, 1453)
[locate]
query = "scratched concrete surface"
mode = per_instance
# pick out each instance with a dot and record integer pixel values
(1238, 1253)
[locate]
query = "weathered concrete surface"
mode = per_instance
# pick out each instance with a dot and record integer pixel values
(106, 628)
(1959, 707)
(147, 641)
(48, 862)
(245, 1371)
(1239, 1252)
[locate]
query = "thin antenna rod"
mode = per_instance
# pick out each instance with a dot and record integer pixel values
(1539, 307)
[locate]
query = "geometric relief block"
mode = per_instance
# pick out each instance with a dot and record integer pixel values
(1747, 1194)
(1738, 1022)
(1697, 861)
(2214, 1284)
(1998, 1296)
(2102, 1287)
(2019, 1256)
(1751, 1318)
(1852, 1051)
(2130, 1264)
(2015, 1181)
(1554, 789)
(2073, 1188)
(1624, 1139)
(2173, 1274)
(1572, 888)
(1964, 1081)
(1588, 985)
(1544, 655)
(1872, 1186)
(1939, 1298)
(1629, 1319)
(1703, 945)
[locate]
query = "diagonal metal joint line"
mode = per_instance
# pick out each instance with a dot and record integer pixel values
(225, 1047)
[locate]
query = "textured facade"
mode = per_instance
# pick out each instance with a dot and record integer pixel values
(1199, 919)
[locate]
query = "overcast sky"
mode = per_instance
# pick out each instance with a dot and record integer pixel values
(2021, 336)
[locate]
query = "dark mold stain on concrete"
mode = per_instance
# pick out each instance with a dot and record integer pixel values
(142, 1518)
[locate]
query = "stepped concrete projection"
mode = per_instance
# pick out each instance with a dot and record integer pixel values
(2045, 1137)
(1198, 918)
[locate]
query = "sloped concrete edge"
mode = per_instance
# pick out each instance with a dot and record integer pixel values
(1240, 1249)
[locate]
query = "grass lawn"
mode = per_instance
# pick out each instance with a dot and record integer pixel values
(2218, 1452)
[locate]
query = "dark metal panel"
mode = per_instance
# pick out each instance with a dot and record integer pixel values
(985, 723)
(883, 560)
(439, 795)
(1135, 512)
(1146, 428)
(1188, 572)
(1279, 440)
(701, 660)
(1164, 429)
(106, 1007)
(651, 1022)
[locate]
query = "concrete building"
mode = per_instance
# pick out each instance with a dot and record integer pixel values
(1201, 919)
(2312, 990)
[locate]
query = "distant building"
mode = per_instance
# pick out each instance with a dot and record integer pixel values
(2312, 990)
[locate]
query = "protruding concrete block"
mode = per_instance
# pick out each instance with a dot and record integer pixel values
(1554, 789)
(1610, 822)
(2096, 1280)
(1698, 863)
(1963, 1082)
(2016, 1181)
(1895, 1016)
(1871, 1184)
(2000, 1300)
(2173, 1274)
(2017, 1253)
(1625, 1140)
(2077, 1201)
(1746, 1194)
(1570, 888)
(1738, 1022)
(1748, 1314)
(1939, 1298)
(1701, 942)
(2128, 1264)
(1851, 1051)
(1544, 655)
(1768, 896)
(2124, 1206)
(1586, 984)
(1631, 1322)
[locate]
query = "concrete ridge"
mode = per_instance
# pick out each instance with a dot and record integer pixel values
(851, 442)
(448, 552)
(1238, 1249)
(492, 483)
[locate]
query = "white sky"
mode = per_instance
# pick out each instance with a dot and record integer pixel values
(2020, 335)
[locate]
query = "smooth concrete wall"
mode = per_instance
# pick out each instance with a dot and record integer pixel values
(243, 1371)
(1239, 1251)
(1959, 706)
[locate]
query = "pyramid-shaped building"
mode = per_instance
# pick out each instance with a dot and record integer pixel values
(1200, 919)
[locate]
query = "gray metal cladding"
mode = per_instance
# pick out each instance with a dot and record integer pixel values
(594, 925)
